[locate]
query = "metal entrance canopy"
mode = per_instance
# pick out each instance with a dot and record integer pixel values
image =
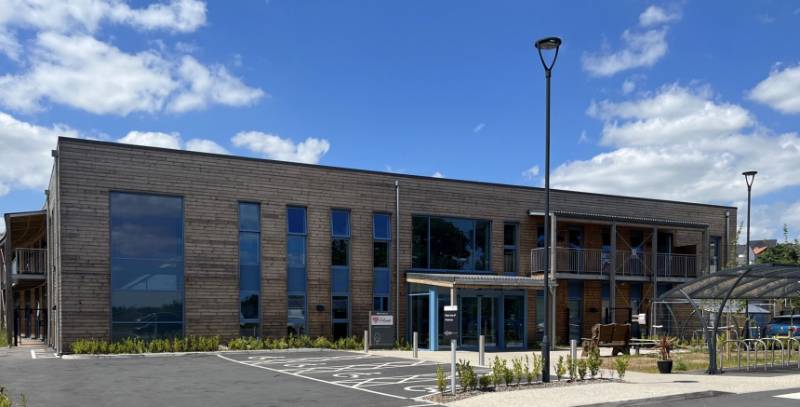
(753, 282)
(474, 280)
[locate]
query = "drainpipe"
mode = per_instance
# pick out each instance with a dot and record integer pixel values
(727, 239)
(397, 258)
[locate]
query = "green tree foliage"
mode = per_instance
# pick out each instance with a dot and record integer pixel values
(783, 253)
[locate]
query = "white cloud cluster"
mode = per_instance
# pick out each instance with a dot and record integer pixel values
(780, 91)
(531, 173)
(66, 64)
(641, 48)
(680, 143)
(25, 152)
(171, 140)
(274, 147)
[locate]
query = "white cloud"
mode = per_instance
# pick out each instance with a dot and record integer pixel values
(531, 173)
(478, 127)
(84, 73)
(153, 139)
(628, 86)
(25, 152)
(780, 91)
(274, 147)
(205, 146)
(655, 15)
(203, 85)
(88, 74)
(641, 50)
(583, 138)
(765, 18)
(689, 147)
(671, 115)
(437, 174)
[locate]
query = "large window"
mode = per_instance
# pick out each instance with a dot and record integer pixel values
(340, 273)
(510, 238)
(381, 240)
(249, 268)
(146, 265)
(450, 243)
(296, 269)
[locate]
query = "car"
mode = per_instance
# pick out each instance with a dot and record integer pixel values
(783, 325)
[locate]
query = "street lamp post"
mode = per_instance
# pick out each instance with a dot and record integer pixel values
(546, 44)
(749, 177)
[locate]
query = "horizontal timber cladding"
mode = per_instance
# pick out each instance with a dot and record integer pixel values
(212, 185)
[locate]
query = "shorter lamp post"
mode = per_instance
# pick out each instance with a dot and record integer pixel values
(749, 177)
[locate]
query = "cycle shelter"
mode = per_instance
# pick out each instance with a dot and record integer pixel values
(762, 282)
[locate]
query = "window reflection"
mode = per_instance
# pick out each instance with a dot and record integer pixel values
(450, 243)
(146, 265)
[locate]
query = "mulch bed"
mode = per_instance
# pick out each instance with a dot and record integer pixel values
(447, 397)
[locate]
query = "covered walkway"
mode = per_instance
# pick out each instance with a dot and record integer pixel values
(754, 282)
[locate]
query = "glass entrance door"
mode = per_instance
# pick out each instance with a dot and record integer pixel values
(489, 320)
(479, 317)
(469, 321)
(420, 318)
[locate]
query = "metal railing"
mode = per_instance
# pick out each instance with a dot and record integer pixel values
(29, 261)
(573, 260)
(629, 262)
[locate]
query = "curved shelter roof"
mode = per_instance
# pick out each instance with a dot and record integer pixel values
(754, 282)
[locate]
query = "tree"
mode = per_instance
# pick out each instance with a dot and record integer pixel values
(783, 253)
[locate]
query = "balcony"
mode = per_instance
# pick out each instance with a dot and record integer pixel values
(629, 263)
(29, 262)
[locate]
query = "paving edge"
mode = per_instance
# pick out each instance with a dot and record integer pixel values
(176, 354)
(662, 399)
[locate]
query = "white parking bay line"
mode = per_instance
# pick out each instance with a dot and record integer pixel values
(312, 378)
(33, 354)
(792, 396)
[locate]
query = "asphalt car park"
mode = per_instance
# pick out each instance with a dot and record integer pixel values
(279, 378)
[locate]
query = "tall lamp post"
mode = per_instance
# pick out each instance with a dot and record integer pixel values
(547, 44)
(749, 177)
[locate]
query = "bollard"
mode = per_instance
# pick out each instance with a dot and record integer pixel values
(415, 345)
(481, 350)
(453, 365)
(573, 350)
(366, 341)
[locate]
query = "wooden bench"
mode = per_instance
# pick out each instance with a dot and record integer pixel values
(614, 336)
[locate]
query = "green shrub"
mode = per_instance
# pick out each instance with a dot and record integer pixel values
(561, 368)
(680, 365)
(582, 366)
(402, 344)
(572, 368)
(516, 364)
(498, 371)
(322, 343)
(466, 375)
(3, 338)
(594, 362)
(528, 373)
(536, 366)
(508, 376)
(441, 380)
(621, 365)
(484, 382)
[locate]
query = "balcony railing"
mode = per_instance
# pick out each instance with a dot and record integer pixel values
(29, 261)
(629, 263)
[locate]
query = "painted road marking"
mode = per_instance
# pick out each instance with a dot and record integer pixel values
(33, 354)
(792, 396)
(352, 375)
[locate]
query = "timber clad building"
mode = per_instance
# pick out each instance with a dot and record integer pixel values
(148, 242)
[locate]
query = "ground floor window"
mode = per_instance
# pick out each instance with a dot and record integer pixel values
(297, 315)
(341, 316)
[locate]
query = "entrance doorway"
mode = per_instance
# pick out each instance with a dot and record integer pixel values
(479, 317)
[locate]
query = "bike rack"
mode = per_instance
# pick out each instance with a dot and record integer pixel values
(739, 344)
(755, 347)
(774, 341)
(789, 345)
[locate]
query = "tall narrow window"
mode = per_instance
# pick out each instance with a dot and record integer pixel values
(296, 263)
(381, 239)
(510, 238)
(340, 273)
(146, 265)
(249, 268)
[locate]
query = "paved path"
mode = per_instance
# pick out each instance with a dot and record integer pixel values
(778, 398)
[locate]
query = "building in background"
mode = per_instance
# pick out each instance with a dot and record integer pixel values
(149, 242)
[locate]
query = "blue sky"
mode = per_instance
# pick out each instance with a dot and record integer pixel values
(671, 100)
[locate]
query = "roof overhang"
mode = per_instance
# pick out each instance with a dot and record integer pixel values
(25, 228)
(630, 220)
(474, 280)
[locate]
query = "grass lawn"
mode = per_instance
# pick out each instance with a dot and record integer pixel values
(694, 360)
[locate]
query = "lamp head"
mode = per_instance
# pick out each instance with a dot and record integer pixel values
(749, 177)
(546, 44)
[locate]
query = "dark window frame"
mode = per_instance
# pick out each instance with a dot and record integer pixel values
(251, 321)
(383, 298)
(295, 293)
(471, 261)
